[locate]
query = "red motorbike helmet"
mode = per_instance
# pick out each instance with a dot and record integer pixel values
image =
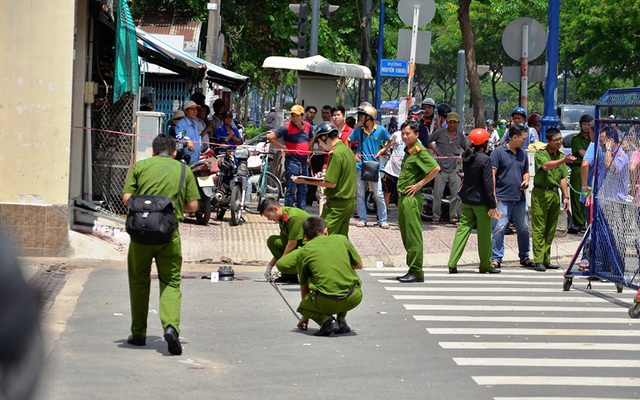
(478, 136)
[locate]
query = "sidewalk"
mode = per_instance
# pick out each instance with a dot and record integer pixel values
(246, 243)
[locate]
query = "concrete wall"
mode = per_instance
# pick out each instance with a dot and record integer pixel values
(36, 73)
(36, 91)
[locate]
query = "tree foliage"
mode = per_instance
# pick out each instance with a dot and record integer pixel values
(598, 40)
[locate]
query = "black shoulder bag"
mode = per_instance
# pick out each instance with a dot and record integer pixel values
(370, 169)
(151, 219)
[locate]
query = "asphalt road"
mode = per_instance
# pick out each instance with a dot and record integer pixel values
(515, 335)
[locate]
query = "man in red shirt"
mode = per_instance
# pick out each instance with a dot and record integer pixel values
(298, 139)
(339, 114)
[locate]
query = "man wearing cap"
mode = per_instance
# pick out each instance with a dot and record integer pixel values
(428, 119)
(177, 116)
(227, 134)
(187, 129)
(450, 144)
(298, 139)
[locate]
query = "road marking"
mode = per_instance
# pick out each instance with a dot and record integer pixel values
(556, 398)
(449, 307)
(544, 320)
(472, 276)
(532, 332)
(489, 288)
(557, 282)
(540, 299)
(557, 381)
(546, 362)
(539, 346)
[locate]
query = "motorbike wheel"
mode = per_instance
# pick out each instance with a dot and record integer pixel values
(272, 188)
(370, 202)
(236, 206)
(203, 214)
(427, 207)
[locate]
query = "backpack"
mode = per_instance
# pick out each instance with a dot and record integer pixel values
(151, 219)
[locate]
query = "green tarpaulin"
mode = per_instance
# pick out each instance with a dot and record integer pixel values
(126, 77)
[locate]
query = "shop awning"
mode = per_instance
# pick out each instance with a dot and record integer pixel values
(158, 52)
(318, 65)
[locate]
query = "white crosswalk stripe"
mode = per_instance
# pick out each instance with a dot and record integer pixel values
(520, 330)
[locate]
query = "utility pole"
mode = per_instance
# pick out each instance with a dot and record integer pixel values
(213, 30)
(315, 21)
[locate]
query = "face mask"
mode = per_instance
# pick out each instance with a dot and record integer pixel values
(520, 124)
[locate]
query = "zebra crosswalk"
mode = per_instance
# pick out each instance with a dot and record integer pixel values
(522, 337)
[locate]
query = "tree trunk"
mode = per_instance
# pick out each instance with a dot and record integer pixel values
(366, 19)
(469, 42)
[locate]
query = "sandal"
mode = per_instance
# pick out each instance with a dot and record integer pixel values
(361, 224)
(584, 266)
(385, 226)
(496, 264)
(528, 263)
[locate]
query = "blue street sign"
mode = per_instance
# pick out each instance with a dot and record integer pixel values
(399, 68)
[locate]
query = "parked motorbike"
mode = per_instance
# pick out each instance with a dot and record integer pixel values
(427, 205)
(231, 185)
(205, 171)
(239, 186)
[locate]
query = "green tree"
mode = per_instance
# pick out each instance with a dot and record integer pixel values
(600, 40)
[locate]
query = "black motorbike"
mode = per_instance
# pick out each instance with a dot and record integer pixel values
(231, 185)
(427, 205)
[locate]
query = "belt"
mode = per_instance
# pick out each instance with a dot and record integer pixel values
(346, 296)
(552, 188)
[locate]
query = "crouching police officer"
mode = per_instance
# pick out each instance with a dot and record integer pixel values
(326, 264)
(282, 246)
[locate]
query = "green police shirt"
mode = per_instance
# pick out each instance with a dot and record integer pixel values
(160, 176)
(416, 164)
(291, 224)
(552, 177)
(579, 142)
(325, 263)
(341, 170)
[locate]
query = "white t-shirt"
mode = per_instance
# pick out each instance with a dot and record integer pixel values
(394, 165)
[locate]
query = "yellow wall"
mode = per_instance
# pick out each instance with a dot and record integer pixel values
(36, 72)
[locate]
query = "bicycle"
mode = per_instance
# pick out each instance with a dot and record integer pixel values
(264, 184)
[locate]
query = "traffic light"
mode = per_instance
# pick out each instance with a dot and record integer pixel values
(328, 9)
(302, 12)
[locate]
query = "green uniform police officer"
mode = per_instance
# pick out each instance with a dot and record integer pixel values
(282, 246)
(418, 168)
(328, 283)
(579, 145)
(159, 175)
(551, 174)
(339, 180)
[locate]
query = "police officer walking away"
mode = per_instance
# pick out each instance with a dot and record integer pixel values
(159, 175)
(328, 283)
(339, 179)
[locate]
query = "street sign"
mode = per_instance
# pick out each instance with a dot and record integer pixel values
(512, 38)
(427, 11)
(535, 73)
(423, 43)
(398, 68)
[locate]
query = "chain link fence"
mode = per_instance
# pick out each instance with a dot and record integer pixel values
(112, 152)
